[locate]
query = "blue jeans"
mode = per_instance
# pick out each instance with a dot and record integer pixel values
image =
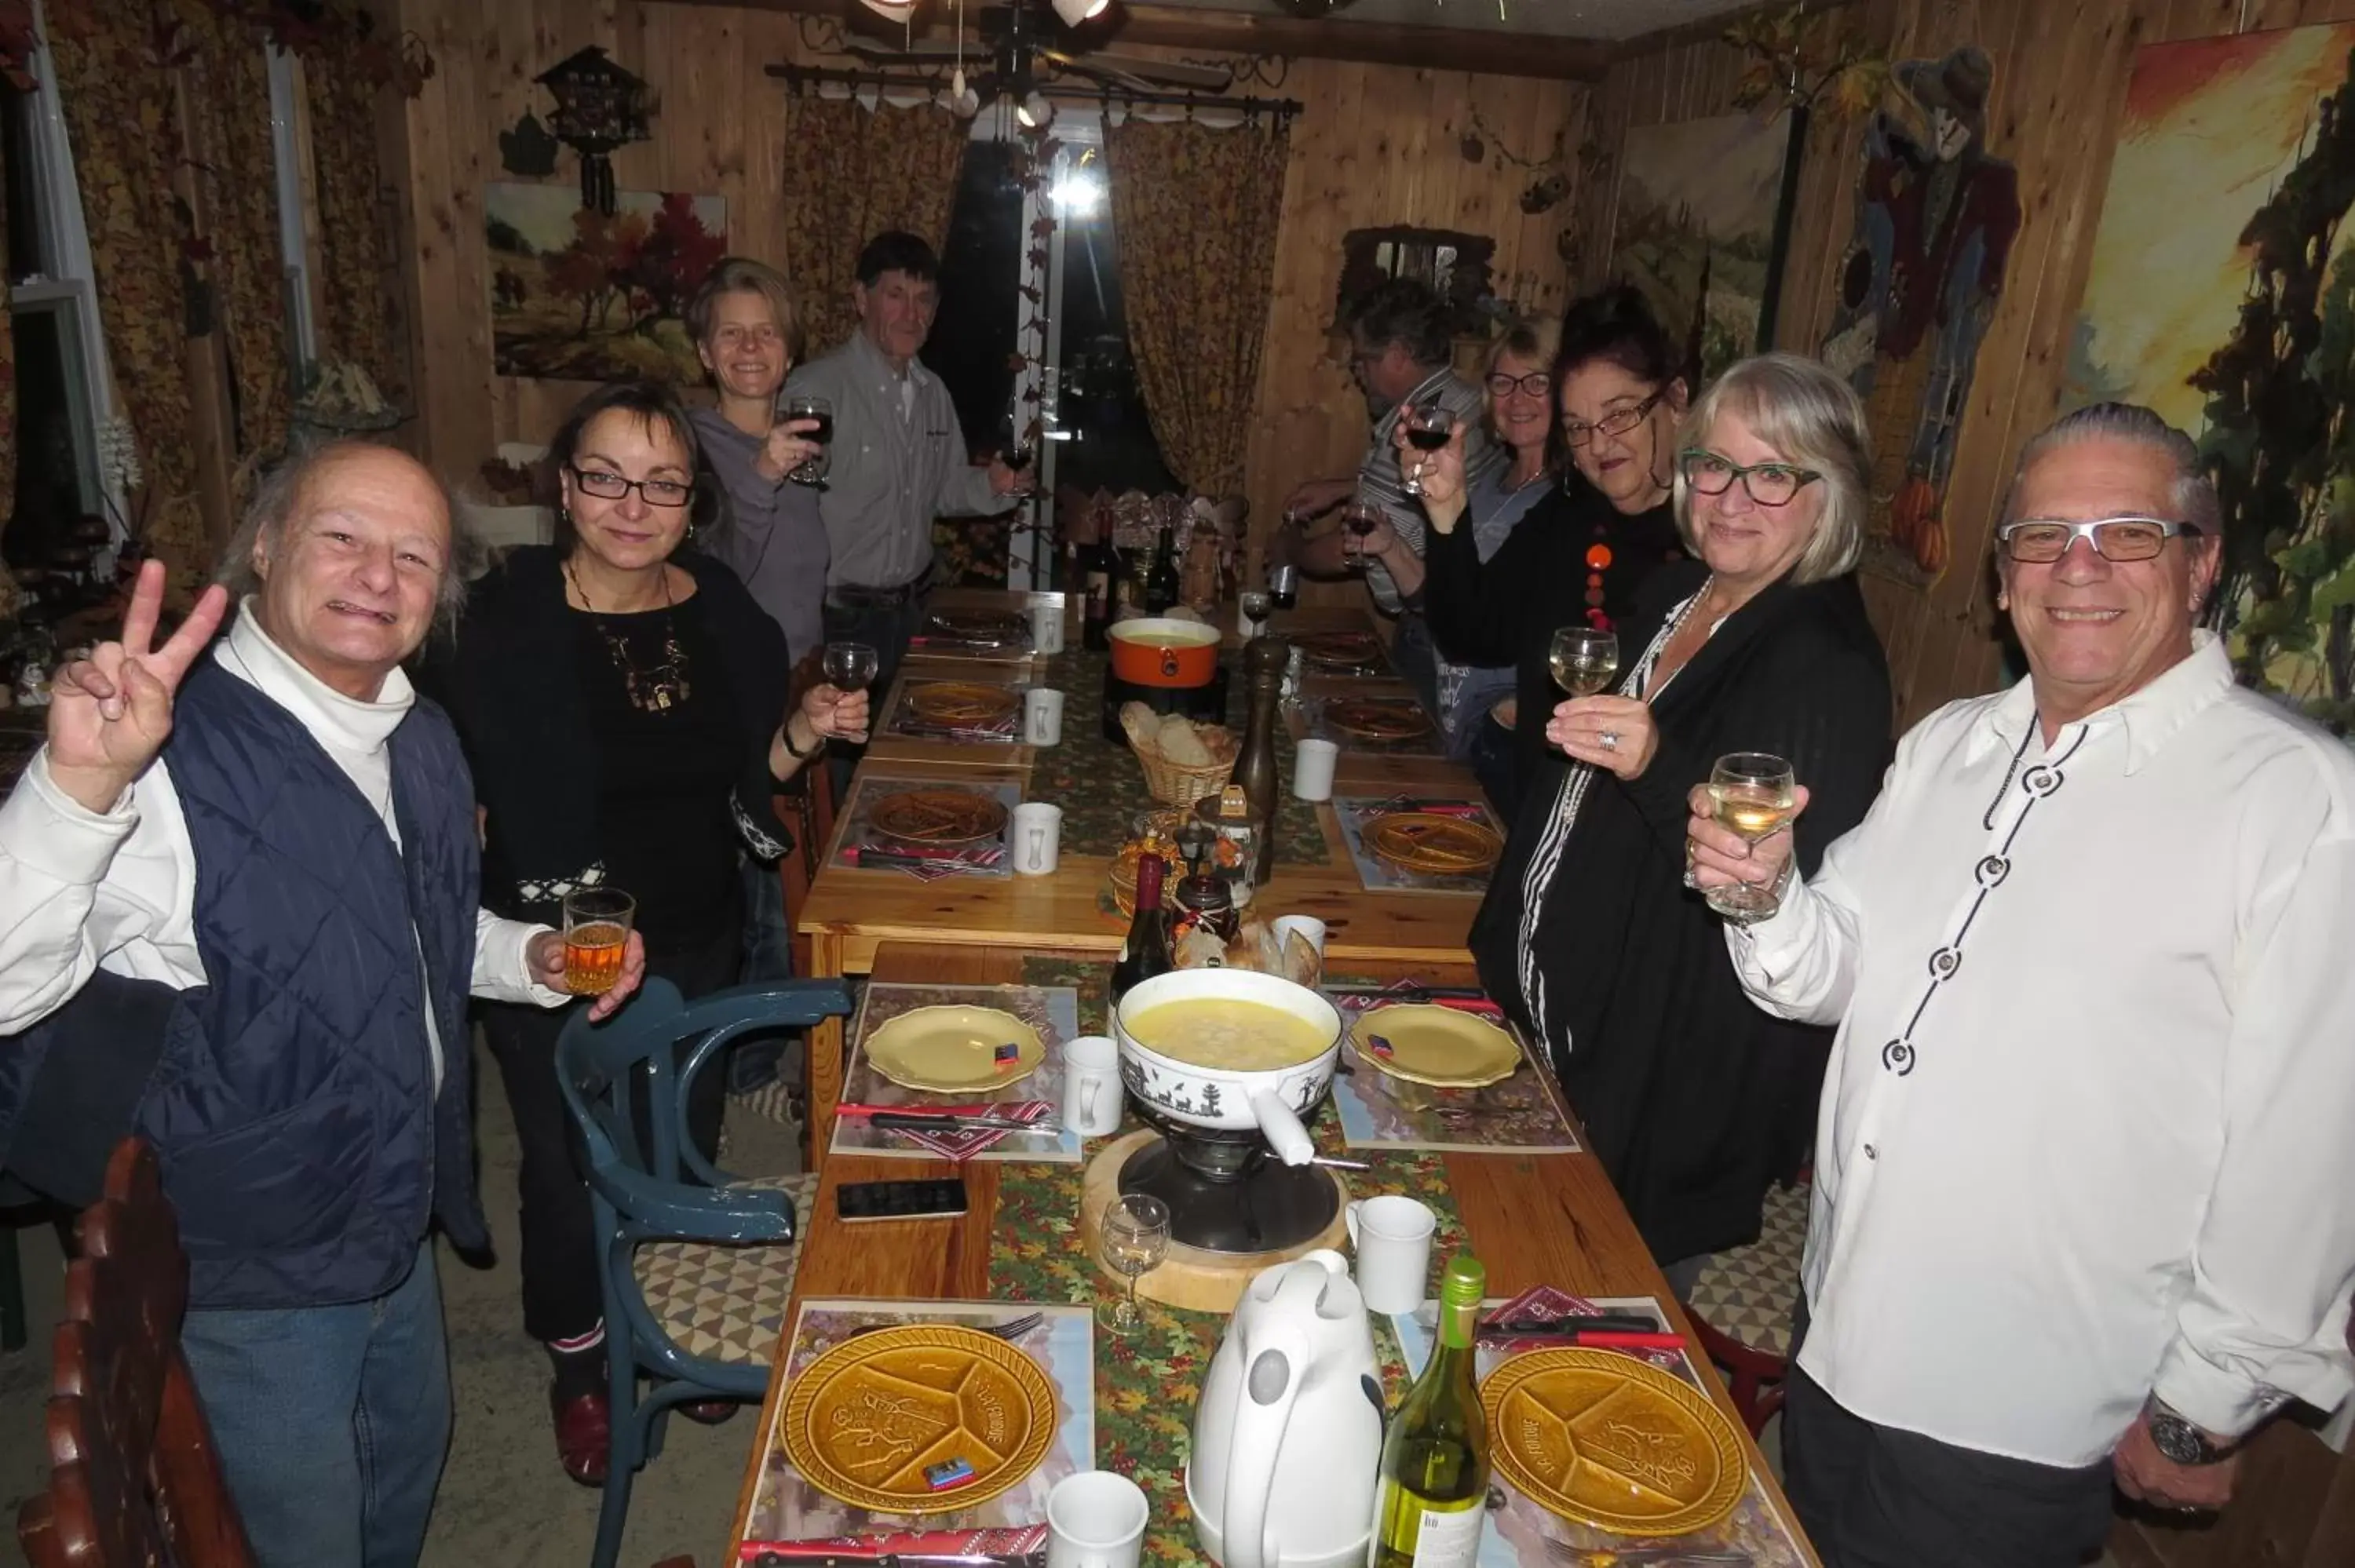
(332, 1422)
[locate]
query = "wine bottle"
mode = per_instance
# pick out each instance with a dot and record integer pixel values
(1146, 952)
(1161, 580)
(1434, 1478)
(1097, 566)
(1255, 770)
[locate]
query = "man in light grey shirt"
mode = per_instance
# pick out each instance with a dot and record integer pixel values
(897, 457)
(1401, 348)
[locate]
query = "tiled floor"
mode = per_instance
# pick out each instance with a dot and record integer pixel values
(503, 1499)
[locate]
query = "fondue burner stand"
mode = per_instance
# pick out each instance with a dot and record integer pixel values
(1226, 1193)
(1259, 1190)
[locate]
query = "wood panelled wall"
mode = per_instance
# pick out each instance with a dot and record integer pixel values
(1377, 145)
(1380, 145)
(2062, 68)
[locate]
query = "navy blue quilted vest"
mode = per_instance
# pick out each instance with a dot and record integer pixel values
(292, 1100)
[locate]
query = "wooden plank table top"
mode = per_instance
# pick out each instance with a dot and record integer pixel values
(1533, 1219)
(851, 913)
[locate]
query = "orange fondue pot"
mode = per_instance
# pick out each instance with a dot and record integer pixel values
(1160, 651)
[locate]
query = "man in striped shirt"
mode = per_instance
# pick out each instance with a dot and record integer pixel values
(1401, 345)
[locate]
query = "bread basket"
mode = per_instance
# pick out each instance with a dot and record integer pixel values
(1173, 785)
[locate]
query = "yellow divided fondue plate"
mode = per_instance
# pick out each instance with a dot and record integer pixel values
(953, 1050)
(1613, 1442)
(1441, 1047)
(865, 1420)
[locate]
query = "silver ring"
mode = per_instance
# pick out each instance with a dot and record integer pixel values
(1610, 740)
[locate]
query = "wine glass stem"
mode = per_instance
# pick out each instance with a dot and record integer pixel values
(1131, 1314)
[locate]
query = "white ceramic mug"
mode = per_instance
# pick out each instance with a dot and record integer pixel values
(1038, 838)
(1042, 717)
(1311, 929)
(1312, 769)
(1392, 1235)
(1092, 1092)
(1095, 1518)
(1046, 628)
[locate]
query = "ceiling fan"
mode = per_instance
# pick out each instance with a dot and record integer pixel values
(1021, 47)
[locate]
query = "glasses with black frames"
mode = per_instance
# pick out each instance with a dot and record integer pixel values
(1767, 484)
(1537, 383)
(608, 486)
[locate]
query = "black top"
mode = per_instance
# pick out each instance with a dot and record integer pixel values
(1693, 1098)
(574, 779)
(1574, 559)
(666, 773)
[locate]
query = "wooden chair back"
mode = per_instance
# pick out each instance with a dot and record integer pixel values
(134, 1479)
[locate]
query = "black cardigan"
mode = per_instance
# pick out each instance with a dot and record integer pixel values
(1693, 1098)
(510, 687)
(1505, 610)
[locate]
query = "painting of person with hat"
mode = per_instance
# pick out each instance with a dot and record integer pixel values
(1935, 223)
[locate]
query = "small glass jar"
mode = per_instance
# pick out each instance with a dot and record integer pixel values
(1204, 903)
(1232, 838)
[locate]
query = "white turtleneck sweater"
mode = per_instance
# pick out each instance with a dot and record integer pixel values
(81, 891)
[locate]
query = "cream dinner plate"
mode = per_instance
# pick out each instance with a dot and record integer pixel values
(1443, 1047)
(953, 1050)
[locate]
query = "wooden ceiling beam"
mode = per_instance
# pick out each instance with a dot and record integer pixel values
(1242, 33)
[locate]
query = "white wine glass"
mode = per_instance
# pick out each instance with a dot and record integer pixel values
(1584, 659)
(1133, 1238)
(1756, 795)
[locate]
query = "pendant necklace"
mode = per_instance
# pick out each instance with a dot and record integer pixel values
(655, 690)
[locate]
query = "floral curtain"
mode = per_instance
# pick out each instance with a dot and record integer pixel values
(356, 261)
(851, 173)
(1196, 210)
(114, 88)
(228, 94)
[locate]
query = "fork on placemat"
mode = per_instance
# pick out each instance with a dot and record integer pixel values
(1644, 1557)
(1012, 1329)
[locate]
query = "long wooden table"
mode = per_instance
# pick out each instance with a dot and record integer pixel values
(850, 914)
(1549, 1219)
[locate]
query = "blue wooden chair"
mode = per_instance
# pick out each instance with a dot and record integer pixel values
(698, 1265)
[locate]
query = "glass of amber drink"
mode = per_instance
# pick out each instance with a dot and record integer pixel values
(596, 931)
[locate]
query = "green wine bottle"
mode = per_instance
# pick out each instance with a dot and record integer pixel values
(1435, 1488)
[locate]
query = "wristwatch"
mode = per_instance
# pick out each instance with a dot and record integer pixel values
(2183, 1442)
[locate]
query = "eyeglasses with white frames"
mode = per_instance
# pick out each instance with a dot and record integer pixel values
(2038, 541)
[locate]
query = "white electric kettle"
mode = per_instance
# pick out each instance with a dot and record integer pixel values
(1288, 1430)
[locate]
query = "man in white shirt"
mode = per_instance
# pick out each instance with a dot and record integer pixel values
(239, 918)
(2084, 1201)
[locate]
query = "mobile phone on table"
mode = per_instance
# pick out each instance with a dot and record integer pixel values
(900, 1199)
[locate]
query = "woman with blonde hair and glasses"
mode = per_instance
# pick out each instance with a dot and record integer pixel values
(1694, 1099)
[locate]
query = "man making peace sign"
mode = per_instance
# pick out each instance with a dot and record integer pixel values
(239, 918)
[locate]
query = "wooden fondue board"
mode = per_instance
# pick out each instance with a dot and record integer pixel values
(1191, 1277)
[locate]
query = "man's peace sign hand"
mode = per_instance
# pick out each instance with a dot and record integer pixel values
(110, 713)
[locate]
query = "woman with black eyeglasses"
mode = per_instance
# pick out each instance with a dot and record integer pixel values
(1606, 424)
(624, 704)
(1590, 936)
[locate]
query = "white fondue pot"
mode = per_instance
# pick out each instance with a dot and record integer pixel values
(1228, 1099)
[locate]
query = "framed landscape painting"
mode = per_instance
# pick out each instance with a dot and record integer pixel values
(1701, 229)
(2220, 294)
(577, 294)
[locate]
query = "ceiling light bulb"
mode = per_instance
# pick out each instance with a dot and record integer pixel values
(892, 10)
(1074, 12)
(1035, 111)
(964, 101)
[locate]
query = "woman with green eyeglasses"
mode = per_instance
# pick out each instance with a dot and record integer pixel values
(1693, 1098)
(622, 702)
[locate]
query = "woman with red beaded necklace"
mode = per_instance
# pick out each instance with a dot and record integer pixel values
(1582, 552)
